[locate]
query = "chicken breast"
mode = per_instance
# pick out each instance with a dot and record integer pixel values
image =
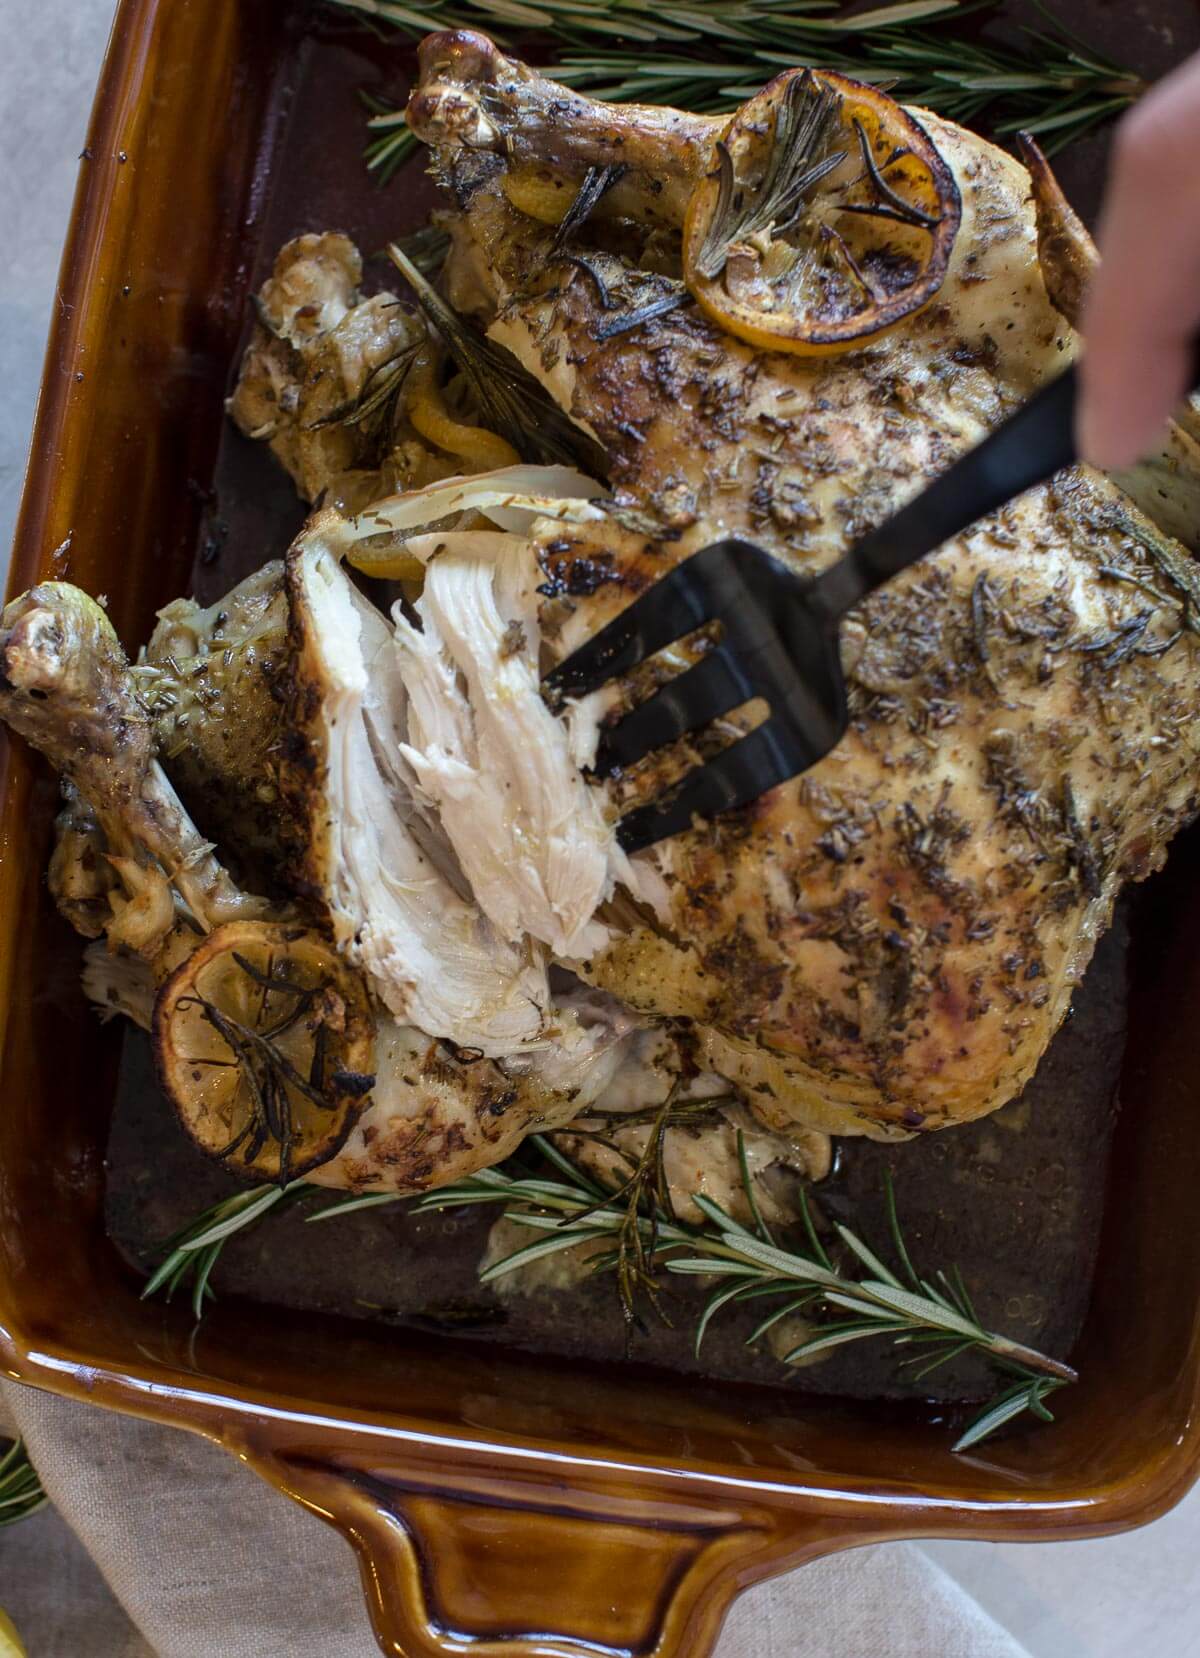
(888, 943)
(366, 854)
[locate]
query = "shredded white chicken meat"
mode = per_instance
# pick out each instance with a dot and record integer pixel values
(434, 960)
(493, 759)
(493, 766)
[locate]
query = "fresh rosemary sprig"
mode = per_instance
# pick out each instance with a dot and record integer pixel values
(934, 1319)
(192, 1252)
(647, 21)
(21, 1491)
(645, 1191)
(1049, 81)
(632, 1231)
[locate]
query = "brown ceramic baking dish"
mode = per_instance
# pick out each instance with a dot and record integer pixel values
(499, 1503)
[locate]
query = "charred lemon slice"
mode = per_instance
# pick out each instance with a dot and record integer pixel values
(264, 1040)
(827, 218)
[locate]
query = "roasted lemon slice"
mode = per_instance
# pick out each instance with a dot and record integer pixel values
(826, 219)
(264, 1040)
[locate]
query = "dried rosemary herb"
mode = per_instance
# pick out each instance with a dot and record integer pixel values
(511, 401)
(799, 159)
(377, 397)
(597, 181)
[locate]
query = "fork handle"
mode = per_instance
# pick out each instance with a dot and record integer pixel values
(1031, 445)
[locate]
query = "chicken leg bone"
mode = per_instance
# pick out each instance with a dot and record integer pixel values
(66, 687)
(470, 96)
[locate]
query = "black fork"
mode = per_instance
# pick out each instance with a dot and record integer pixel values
(780, 632)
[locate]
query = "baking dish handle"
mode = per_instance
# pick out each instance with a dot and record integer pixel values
(464, 1558)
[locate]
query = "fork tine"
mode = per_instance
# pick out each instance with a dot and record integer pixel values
(768, 756)
(711, 687)
(678, 603)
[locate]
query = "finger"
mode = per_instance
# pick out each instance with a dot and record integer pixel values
(1143, 312)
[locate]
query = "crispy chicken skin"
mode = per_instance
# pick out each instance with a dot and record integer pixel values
(888, 943)
(317, 345)
(130, 861)
(212, 680)
(66, 687)
(882, 946)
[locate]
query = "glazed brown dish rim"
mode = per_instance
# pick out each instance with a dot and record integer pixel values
(923, 1491)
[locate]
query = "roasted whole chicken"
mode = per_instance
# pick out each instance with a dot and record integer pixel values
(890, 941)
(651, 330)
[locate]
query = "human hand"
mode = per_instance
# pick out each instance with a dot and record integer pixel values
(1142, 314)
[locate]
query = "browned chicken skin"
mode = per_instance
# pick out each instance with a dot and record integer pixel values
(888, 943)
(884, 945)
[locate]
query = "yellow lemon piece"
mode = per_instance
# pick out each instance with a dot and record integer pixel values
(427, 411)
(11, 1645)
(539, 192)
(827, 217)
(265, 1041)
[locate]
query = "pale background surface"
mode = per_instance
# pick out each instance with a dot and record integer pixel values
(191, 1555)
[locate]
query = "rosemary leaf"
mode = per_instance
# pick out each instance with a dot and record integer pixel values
(782, 1263)
(870, 1260)
(748, 1191)
(564, 1164)
(1020, 1398)
(511, 401)
(815, 1245)
(1048, 80)
(959, 1293)
(635, 1219)
(837, 1336)
(713, 1211)
(347, 1206)
(713, 1306)
(885, 17)
(704, 1266)
(207, 1259)
(895, 1231)
(854, 1303)
(797, 1304)
(21, 1492)
(535, 1251)
(919, 1308)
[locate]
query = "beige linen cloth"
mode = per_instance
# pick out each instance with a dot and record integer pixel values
(207, 1561)
(193, 1556)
